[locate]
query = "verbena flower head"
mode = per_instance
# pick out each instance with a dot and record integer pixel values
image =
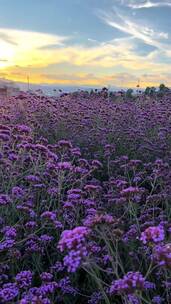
(74, 258)
(72, 239)
(17, 192)
(96, 298)
(24, 279)
(157, 300)
(46, 276)
(131, 282)
(4, 200)
(7, 244)
(8, 293)
(65, 144)
(23, 129)
(154, 234)
(75, 242)
(131, 191)
(64, 166)
(162, 255)
(32, 178)
(9, 232)
(133, 299)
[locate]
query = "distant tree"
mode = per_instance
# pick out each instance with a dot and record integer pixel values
(104, 92)
(104, 89)
(163, 88)
(129, 93)
(150, 91)
(147, 91)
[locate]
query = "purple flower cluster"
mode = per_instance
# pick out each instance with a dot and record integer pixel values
(4, 200)
(131, 282)
(24, 279)
(162, 255)
(8, 293)
(74, 241)
(153, 234)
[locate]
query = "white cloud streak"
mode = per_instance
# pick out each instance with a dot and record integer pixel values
(135, 30)
(136, 4)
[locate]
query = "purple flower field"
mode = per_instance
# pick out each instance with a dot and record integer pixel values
(85, 199)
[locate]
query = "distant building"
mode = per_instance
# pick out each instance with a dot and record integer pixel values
(8, 88)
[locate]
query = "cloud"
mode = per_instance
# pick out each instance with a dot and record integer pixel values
(20, 47)
(124, 24)
(33, 50)
(104, 55)
(117, 54)
(92, 40)
(38, 54)
(138, 4)
(38, 50)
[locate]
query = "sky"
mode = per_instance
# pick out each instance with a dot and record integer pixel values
(86, 42)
